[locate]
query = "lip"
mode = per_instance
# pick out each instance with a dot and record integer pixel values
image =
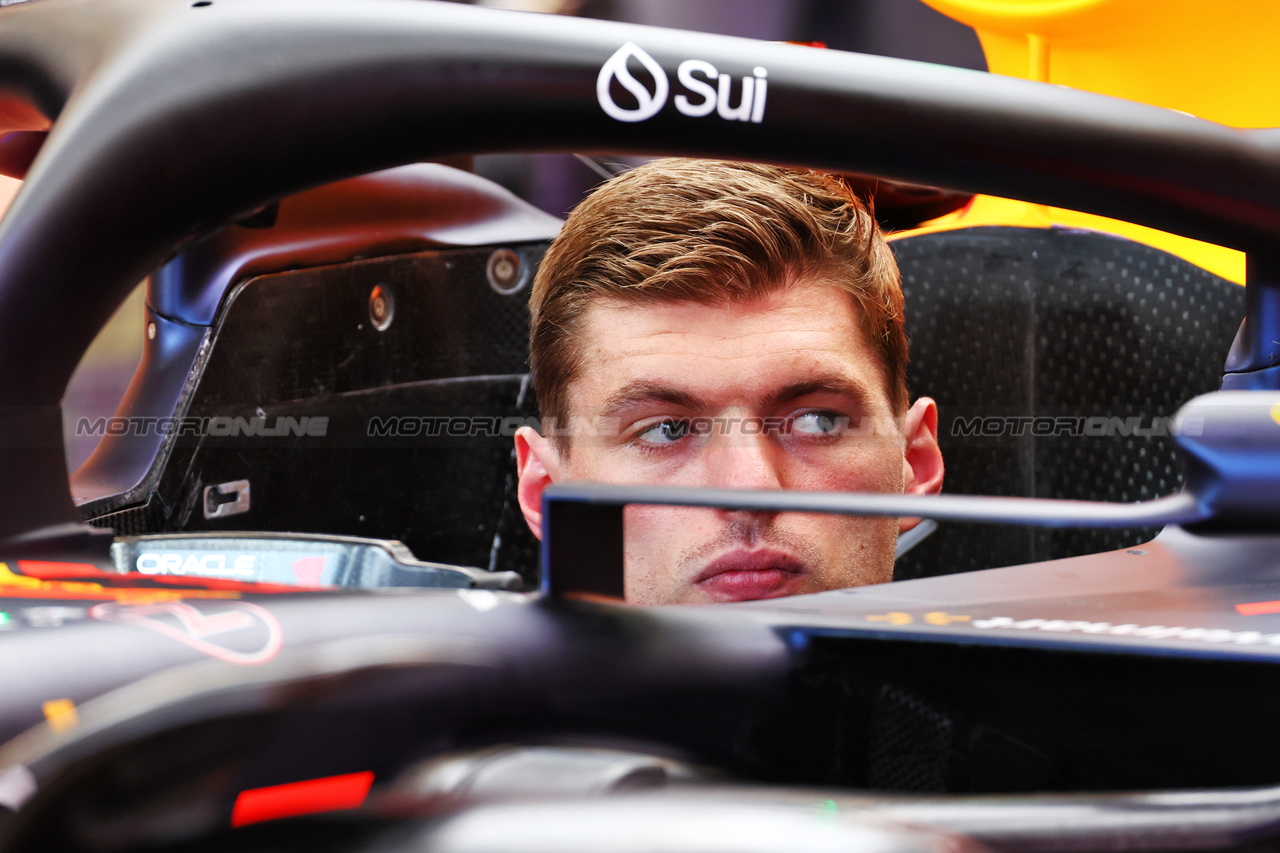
(745, 575)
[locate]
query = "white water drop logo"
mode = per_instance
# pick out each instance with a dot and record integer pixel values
(616, 69)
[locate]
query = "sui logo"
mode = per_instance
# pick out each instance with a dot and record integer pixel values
(615, 68)
(706, 90)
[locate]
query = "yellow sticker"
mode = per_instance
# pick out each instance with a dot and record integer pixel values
(61, 714)
(939, 617)
(1275, 413)
(895, 617)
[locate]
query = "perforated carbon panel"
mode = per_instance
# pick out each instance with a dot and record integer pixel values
(302, 345)
(1083, 332)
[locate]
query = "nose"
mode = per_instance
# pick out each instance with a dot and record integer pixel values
(744, 459)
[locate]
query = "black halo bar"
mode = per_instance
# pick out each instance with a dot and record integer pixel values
(170, 119)
(582, 532)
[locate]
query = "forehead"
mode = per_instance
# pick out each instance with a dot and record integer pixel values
(729, 351)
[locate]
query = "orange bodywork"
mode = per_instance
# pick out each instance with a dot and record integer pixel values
(1207, 59)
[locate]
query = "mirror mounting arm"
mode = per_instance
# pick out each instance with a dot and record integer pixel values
(1253, 363)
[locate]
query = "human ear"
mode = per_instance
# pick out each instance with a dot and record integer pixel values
(538, 466)
(922, 468)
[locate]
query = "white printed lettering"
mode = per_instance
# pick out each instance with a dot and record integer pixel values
(697, 87)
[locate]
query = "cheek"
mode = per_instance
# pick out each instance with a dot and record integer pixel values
(867, 466)
(654, 541)
(844, 551)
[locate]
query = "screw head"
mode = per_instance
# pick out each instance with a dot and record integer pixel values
(506, 272)
(382, 307)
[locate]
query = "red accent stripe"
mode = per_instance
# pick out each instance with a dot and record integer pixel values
(298, 798)
(44, 569)
(1258, 608)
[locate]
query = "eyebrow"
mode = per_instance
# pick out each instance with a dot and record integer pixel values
(835, 385)
(644, 391)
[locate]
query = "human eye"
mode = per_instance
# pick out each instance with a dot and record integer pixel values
(820, 423)
(665, 432)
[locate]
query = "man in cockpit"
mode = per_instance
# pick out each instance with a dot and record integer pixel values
(731, 325)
